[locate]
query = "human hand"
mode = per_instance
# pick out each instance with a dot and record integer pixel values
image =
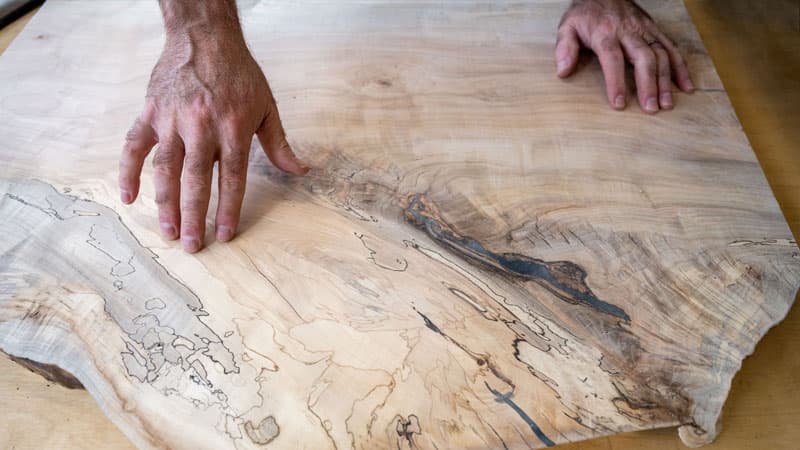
(616, 30)
(206, 98)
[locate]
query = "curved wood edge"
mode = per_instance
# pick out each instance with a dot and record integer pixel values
(49, 372)
(792, 222)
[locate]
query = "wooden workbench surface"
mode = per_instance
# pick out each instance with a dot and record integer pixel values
(752, 46)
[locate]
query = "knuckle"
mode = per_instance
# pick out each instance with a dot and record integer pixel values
(234, 163)
(193, 207)
(227, 218)
(168, 170)
(126, 160)
(561, 35)
(238, 122)
(165, 160)
(133, 132)
(608, 45)
(134, 145)
(125, 179)
(200, 124)
(198, 166)
(647, 62)
(195, 184)
(191, 227)
(633, 27)
(132, 149)
(606, 28)
(149, 110)
(129, 149)
(164, 197)
(200, 112)
(232, 183)
(638, 45)
(271, 115)
(199, 104)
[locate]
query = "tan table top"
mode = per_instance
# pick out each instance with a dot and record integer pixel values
(753, 46)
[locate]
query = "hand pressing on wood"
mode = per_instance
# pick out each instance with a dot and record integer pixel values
(617, 30)
(206, 99)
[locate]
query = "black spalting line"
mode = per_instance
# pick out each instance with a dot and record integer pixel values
(506, 398)
(480, 359)
(565, 279)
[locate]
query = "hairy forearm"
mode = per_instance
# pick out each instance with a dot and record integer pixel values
(609, 6)
(213, 20)
(202, 35)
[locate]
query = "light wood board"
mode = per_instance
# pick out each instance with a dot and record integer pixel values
(451, 134)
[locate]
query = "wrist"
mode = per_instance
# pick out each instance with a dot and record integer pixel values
(206, 21)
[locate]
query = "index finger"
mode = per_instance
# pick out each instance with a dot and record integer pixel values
(139, 141)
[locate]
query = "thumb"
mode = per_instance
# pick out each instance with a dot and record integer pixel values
(273, 140)
(567, 47)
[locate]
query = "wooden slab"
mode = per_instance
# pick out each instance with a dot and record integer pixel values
(483, 255)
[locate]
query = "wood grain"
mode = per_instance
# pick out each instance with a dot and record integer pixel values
(445, 219)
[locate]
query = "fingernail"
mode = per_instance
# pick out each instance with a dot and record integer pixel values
(302, 165)
(562, 64)
(690, 85)
(224, 233)
(190, 244)
(619, 102)
(651, 104)
(666, 100)
(168, 231)
(125, 196)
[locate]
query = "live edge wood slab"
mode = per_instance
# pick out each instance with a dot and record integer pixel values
(483, 256)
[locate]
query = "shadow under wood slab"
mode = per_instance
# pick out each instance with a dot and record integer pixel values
(482, 256)
(49, 372)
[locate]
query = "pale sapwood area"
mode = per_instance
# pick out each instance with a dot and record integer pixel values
(483, 256)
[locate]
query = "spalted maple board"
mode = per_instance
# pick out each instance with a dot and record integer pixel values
(483, 256)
